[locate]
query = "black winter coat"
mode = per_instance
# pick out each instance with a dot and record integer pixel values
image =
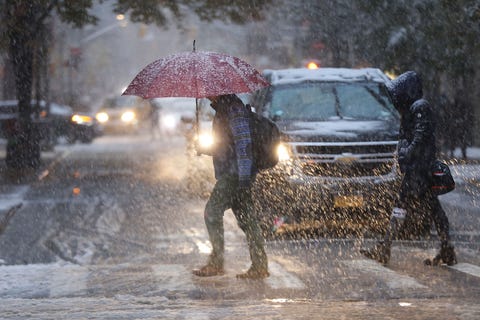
(416, 148)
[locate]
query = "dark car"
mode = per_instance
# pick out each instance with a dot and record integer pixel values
(83, 127)
(53, 121)
(337, 168)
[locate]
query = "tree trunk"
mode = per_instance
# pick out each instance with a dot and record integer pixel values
(23, 147)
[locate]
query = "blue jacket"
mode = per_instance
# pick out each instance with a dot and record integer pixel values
(232, 152)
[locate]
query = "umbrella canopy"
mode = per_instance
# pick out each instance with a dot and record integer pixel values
(195, 74)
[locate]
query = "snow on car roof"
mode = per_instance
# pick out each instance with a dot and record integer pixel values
(55, 108)
(324, 74)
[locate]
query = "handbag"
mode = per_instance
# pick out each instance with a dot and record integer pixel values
(441, 178)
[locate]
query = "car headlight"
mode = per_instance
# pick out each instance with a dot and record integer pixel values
(81, 119)
(128, 116)
(205, 140)
(283, 152)
(169, 122)
(102, 117)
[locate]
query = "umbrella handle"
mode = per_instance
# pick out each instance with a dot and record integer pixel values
(196, 128)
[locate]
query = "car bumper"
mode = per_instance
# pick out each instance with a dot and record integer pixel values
(337, 194)
(301, 201)
(119, 126)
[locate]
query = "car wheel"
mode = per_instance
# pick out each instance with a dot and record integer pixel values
(86, 138)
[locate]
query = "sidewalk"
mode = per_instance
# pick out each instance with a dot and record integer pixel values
(14, 186)
(473, 153)
(467, 173)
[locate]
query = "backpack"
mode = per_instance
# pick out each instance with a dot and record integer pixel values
(265, 140)
(441, 178)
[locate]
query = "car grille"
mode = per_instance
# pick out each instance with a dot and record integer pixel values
(115, 116)
(348, 159)
(344, 149)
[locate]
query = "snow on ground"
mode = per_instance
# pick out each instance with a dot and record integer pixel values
(11, 195)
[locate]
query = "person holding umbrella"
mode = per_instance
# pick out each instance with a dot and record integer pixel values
(217, 76)
(235, 174)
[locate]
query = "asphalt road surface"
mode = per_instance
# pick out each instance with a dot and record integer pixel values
(113, 229)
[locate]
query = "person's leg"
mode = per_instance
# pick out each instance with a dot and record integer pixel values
(219, 201)
(382, 251)
(439, 217)
(243, 209)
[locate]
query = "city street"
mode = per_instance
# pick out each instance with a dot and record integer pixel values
(112, 230)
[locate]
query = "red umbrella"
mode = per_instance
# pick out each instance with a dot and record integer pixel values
(195, 74)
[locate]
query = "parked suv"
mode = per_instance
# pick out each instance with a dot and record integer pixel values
(337, 168)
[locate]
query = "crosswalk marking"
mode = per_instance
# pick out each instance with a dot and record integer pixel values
(12, 197)
(172, 276)
(467, 268)
(281, 278)
(42, 280)
(198, 238)
(72, 281)
(69, 280)
(392, 279)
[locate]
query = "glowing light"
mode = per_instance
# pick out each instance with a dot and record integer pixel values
(205, 140)
(282, 152)
(120, 17)
(169, 122)
(102, 117)
(312, 65)
(390, 74)
(76, 191)
(81, 119)
(128, 116)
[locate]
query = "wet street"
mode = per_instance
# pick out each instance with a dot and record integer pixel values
(113, 229)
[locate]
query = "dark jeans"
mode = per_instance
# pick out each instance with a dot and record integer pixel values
(421, 211)
(226, 195)
(422, 208)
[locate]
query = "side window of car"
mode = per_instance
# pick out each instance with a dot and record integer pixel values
(258, 100)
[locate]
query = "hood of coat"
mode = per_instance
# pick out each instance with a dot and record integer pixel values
(405, 90)
(218, 102)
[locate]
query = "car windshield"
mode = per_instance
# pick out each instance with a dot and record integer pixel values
(331, 100)
(121, 102)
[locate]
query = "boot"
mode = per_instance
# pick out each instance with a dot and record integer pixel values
(446, 255)
(380, 253)
(254, 274)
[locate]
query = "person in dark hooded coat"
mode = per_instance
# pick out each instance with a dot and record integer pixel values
(416, 153)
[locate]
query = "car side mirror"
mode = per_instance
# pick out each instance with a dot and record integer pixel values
(277, 115)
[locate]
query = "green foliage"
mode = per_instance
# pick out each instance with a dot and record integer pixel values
(156, 11)
(75, 12)
(437, 34)
(227, 10)
(148, 11)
